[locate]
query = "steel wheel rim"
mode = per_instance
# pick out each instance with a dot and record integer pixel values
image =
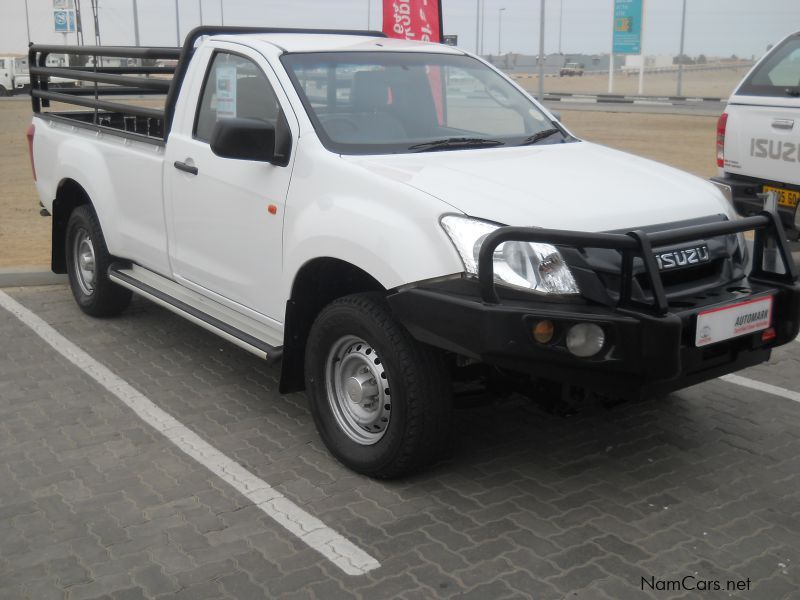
(84, 261)
(358, 390)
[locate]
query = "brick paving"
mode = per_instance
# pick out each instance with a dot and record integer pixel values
(95, 504)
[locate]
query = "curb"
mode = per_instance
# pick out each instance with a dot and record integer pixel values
(28, 277)
(629, 99)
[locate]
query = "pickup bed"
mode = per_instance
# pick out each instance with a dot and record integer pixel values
(398, 223)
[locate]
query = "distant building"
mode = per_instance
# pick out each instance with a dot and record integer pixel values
(634, 62)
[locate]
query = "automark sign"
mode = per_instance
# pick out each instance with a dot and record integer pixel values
(627, 36)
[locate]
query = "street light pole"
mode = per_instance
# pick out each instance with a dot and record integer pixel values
(643, 37)
(136, 22)
(177, 23)
(221, 12)
(477, 26)
(560, 25)
(200, 6)
(500, 30)
(78, 23)
(369, 14)
(27, 22)
(541, 51)
(483, 23)
(680, 54)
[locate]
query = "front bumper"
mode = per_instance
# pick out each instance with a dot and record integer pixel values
(650, 347)
(744, 196)
(644, 353)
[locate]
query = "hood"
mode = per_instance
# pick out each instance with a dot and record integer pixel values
(579, 186)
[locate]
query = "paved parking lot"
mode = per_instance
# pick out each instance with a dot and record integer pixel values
(703, 484)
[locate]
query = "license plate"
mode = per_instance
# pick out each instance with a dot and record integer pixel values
(785, 197)
(726, 322)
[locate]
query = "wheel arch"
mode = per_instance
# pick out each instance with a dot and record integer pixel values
(69, 195)
(317, 283)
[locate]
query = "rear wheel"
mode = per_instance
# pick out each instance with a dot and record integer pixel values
(380, 399)
(87, 266)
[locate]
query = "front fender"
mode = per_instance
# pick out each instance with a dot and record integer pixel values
(338, 209)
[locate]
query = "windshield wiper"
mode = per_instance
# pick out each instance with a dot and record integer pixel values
(539, 136)
(792, 93)
(455, 142)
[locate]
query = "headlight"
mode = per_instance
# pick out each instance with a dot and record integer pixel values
(524, 265)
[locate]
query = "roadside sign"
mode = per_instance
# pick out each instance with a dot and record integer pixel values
(64, 21)
(627, 35)
(63, 4)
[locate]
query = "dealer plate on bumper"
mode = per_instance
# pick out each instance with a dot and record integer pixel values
(726, 322)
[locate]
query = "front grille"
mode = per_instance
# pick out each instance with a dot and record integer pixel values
(679, 277)
(726, 264)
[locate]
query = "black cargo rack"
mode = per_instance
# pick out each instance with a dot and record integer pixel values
(767, 226)
(152, 124)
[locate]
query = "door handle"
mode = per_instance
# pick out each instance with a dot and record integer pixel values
(182, 166)
(783, 123)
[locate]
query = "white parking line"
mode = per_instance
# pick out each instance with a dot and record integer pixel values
(344, 554)
(762, 387)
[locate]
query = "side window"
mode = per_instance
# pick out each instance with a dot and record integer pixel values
(235, 87)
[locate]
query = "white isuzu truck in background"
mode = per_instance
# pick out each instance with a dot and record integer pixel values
(758, 136)
(399, 224)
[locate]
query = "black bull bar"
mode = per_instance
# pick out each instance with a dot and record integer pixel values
(769, 234)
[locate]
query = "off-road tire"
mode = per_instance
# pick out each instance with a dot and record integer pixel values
(106, 299)
(421, 392)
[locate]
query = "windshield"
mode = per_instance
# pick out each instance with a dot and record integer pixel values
(396, 102)
(779, 74)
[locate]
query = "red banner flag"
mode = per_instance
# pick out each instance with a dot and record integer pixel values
(419, 20)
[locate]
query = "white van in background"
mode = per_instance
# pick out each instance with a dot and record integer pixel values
(758, 135)
(15, 77)
(13, 74)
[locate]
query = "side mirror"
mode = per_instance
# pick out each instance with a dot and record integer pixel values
(244, 139)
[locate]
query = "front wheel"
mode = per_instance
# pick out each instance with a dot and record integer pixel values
(87, 266)
(380, 400)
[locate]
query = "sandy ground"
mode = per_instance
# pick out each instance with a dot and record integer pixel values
(24, 235)
(709, 84)
(686, 142)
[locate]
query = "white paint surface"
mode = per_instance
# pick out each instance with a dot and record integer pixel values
(762, 387)
(344, 554)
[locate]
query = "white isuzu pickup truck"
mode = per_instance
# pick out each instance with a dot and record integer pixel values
(758, 136)
(394, 221)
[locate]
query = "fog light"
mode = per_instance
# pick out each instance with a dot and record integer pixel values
(768, 335)
(585, 339)
(543, 332)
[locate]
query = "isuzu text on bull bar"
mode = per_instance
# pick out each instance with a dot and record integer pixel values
(398, 224)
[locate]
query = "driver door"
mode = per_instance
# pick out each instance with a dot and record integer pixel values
(227, 214)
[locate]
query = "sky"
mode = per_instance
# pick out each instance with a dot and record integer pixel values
(714, 27)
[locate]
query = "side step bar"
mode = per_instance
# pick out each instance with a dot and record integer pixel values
(238, 329)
